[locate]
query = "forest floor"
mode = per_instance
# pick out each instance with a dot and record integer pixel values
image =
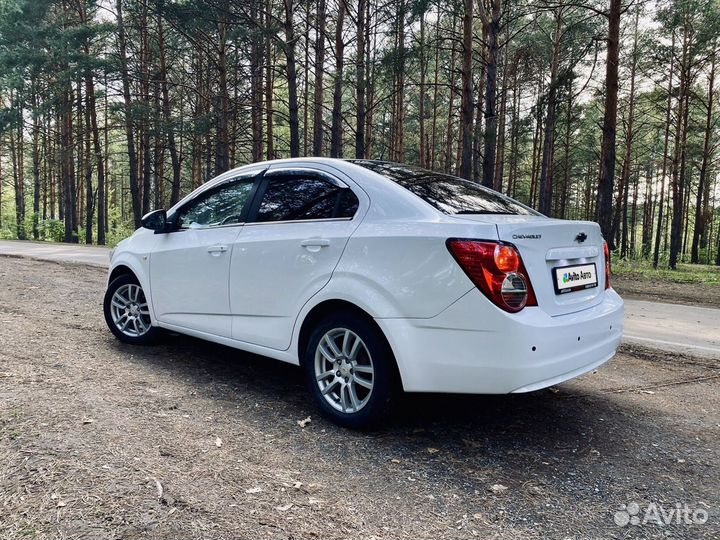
(189, 439)
(691, 284)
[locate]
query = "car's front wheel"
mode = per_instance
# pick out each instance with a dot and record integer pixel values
(350, 370)
(127, 313)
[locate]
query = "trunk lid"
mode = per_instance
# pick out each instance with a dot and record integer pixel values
(545, 244)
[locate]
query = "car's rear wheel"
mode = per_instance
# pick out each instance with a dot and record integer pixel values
(350, 370)
(127, 313)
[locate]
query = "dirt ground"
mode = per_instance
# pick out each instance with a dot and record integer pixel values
(646, 288)
(189, 439)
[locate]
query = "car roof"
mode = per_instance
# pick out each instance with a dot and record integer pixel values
(377, 186)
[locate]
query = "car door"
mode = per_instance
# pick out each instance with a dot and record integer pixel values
(190, 267)
(297, 229)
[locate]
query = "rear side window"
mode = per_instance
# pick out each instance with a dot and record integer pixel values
(449, 194)
(298, 198)
(458, 196)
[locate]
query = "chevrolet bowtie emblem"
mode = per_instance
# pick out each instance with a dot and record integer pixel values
(580, 238)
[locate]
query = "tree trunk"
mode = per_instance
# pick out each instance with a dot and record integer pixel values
(336, 130)
(436, 78)
(500, 153)
(319, 72)
(451, 101)
(546, 168)
(360, 82)
(624, 206)
(127, 100)
(36, 163)
(514, 135)
(479, 114)
(661, 205)
(537, 144)
(701, 218)
(633, 216)
(17, 150)
(398, 121)
(490, 133)
(466, 101)
(603, 211)
(291, 70)
(87, 162)
(99, 158)
(256, 94)
(566, 158)
(270, 146)
(370, 85)
(648, 211)
(679, 161)
(167, 115)
(68, 167)
(306, 82)
(621, 201)
(222, 112)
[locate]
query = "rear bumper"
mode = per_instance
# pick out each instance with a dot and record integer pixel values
(474, 347)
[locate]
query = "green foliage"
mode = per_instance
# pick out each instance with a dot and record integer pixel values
(53, 230)
(685, 273)
(7, 233)
(119, 229)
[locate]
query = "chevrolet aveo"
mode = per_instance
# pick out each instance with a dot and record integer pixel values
(375, 277)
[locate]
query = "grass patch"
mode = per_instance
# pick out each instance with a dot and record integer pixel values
(685, 273)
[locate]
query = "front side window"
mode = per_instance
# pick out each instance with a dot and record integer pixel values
(220, 206)
(303, 198)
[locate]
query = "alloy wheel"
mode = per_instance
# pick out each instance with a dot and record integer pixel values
(129, 310)
(344, 370)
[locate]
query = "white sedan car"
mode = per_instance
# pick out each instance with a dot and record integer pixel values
(374, 277)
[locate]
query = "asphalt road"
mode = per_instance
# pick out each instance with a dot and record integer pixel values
(45, 251)
(669, 327)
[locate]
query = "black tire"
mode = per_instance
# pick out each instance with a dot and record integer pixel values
(150, 336)
(385, 377)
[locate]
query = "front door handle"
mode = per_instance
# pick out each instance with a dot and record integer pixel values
(217, 250)
(314, 244)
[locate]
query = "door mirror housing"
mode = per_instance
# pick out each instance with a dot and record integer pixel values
(156, 221)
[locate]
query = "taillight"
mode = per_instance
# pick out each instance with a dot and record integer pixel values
(497, 269)
(607, 264)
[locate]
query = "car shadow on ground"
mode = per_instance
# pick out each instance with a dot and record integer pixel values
(552, 448)
(546, 418)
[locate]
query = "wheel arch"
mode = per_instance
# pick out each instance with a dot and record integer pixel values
(121, 270)
(336, 305)
(126, 265)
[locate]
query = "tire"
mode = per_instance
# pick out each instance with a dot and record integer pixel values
(134, 327)
(339, 382)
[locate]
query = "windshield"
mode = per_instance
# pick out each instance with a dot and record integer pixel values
(449, 194)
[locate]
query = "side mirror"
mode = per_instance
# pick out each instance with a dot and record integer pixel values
(156, 221)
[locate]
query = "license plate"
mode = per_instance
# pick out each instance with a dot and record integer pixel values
(575, 278)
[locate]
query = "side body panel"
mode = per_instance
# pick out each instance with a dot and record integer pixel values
(189, 272)
(134, 253)
(278, 266)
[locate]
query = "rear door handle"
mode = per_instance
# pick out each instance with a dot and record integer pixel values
(217, 250)
(315, 242)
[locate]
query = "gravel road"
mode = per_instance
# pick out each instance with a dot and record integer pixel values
(189, 439)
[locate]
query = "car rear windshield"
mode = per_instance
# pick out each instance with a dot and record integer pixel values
(449, 194)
